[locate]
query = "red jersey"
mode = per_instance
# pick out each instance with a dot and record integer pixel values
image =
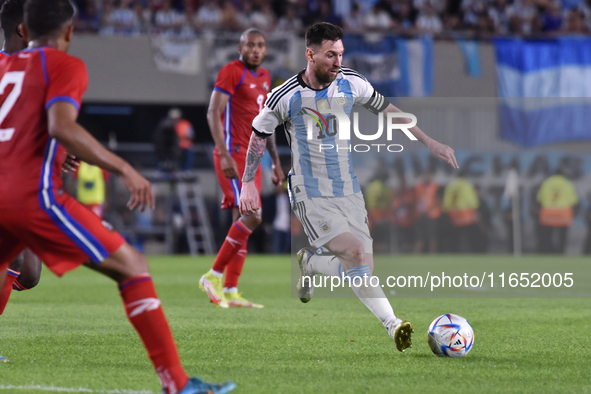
(30, 82)
(248, 92)
(35, 211)
(3, 55)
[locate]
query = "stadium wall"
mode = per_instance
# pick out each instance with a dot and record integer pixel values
(123, 70)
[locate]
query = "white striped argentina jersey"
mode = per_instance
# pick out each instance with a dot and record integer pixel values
(317, 170)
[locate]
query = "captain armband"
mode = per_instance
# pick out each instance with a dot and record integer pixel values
(260, 134)
(377, 103)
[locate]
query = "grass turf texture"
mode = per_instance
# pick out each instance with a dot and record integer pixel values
(72, 332)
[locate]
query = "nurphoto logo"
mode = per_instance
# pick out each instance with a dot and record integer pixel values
(319, 127)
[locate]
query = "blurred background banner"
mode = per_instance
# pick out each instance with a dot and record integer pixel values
(394, 66)
(176, 54)
(547, 87)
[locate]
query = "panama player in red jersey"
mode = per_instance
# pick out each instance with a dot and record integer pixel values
(25, 270)
(238, 96)
(41, 90)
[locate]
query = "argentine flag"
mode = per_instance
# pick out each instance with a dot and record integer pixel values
(415, 59)
(545, 89)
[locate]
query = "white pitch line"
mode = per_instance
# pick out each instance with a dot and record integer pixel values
(73, 390)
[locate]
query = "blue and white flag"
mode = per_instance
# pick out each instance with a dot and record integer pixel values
(545, 89)
(415, 58)
(394, 66)
(471, 51)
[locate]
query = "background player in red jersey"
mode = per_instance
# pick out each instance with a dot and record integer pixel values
(238, 96)
(25, 270)
(40, 93)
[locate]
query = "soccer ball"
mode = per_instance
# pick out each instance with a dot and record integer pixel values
(450, 336)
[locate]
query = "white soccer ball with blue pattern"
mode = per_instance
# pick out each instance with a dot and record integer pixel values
(450, 336)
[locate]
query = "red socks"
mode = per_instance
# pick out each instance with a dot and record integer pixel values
(143, 309)
(234, 268)
(228, 255)
(9, 279)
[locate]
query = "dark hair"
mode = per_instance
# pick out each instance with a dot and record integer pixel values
(45, 18)
(11, 15)
(321, 31)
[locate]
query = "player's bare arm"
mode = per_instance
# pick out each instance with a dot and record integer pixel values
(437, 149)
(278, 175)
(249, 196)
(62, 125)
(217, 104)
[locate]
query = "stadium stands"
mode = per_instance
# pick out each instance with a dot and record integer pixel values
(475, 18)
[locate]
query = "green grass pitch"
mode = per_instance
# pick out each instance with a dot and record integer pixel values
(72, 333)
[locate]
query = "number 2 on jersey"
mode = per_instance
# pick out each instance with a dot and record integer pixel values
(10, 78)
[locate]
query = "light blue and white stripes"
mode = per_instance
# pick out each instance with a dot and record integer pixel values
(545, 89)
(358, 272)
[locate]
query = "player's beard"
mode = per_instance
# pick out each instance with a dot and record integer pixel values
(250, 65)
(324, 77)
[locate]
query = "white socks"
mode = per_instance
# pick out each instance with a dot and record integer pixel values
(373, 297)
(325, 265)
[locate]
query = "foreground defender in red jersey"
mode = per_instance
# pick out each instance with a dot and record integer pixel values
(238, 96)
(40, 93)
(24, 272)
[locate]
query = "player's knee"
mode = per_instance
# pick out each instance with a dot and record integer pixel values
(355, 253)
(136, 264)
(252, 221)
(256, 220)
(124, 263)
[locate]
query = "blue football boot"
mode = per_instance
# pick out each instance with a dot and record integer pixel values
(198, 386)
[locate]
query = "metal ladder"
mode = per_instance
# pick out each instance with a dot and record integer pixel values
(197, 224)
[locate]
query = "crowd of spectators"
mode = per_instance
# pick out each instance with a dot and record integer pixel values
(480, 18)
(458, 216)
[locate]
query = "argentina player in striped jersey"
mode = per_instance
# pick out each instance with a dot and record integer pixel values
(323, 188)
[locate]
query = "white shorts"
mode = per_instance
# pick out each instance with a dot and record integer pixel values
(323, 218)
